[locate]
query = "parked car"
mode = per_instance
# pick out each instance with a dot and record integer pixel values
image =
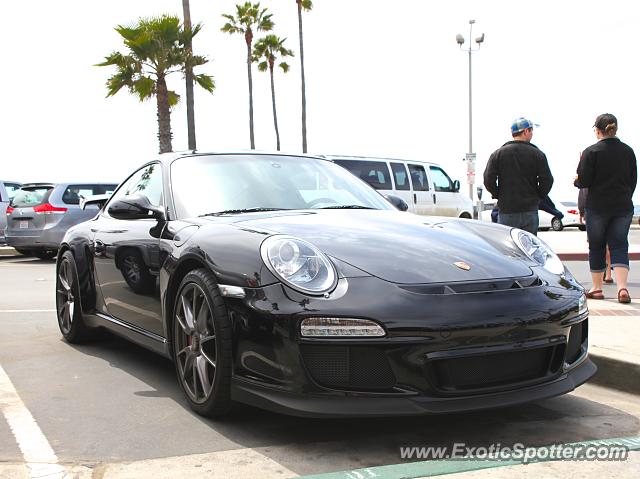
(425, 187)
(40, 213)
(7, 191)
(285, 282)
(547, 221)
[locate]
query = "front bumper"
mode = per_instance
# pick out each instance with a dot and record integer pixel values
(355, 405)
(448, 349)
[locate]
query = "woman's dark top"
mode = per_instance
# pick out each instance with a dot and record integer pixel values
(608, 168)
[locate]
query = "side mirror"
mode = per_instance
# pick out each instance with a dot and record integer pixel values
(135, 207)
(456, 186)
(398, 202)
(98, 200)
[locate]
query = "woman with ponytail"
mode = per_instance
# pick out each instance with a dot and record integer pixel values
(608, 168)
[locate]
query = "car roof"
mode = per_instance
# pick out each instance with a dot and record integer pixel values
(167, 158)
(38, 184)
(374, 158)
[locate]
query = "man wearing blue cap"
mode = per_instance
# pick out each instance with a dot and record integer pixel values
(518, 175)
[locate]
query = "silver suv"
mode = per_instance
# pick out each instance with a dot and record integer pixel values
(40, 214)
(8, 190)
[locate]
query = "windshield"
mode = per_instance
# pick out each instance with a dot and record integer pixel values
(233, 183)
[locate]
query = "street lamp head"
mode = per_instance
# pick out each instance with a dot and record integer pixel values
(480, 39)
(471, 22)
(459, 39)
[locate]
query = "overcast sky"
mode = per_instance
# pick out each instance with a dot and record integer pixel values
(384, 78)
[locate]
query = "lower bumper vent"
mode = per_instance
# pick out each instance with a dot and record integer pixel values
(349, 367)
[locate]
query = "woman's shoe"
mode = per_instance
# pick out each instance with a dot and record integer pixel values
(608, 281)
(595, 294)
(623, 296)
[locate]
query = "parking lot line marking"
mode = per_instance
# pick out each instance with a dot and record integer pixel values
(27, 310)
(40, 459)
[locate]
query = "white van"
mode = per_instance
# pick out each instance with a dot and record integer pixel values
(424, 186)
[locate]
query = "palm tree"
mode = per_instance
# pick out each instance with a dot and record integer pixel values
(156, 48)
(303, 5)
(188, 77)
(268, 49)
(248, 17)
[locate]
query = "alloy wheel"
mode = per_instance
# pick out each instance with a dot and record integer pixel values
(132, 269)
(65, 299)
(196, 352)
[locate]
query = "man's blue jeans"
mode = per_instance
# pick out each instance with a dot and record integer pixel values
(608, 229)
(527, 220)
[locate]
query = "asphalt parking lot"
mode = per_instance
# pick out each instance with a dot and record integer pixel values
(112, 409)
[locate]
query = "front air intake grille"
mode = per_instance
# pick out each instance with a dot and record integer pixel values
(577, 336)
(348, 367)
(495, 370)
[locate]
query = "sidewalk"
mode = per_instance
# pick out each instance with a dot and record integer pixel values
(571, 244)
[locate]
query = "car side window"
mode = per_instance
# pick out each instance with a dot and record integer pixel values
(400, 176)
(12, 189)
(147, 181)
(441, 180)
(74, 193)
(376, 173)
(418, 177)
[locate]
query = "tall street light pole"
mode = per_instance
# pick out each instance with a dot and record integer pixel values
(471, 156)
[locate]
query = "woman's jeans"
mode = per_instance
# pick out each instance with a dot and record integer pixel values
(608, 229)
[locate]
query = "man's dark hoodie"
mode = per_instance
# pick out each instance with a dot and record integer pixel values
(518, 175)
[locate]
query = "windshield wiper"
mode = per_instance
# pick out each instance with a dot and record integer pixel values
(245, 210)
(347, 207)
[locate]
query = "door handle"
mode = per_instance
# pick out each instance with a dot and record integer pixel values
(434, 198)
(415, 200)
(99, 247)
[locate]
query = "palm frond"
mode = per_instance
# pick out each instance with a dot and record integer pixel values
(173, 98)
(205, 81)
(262, 66)
(284, 66)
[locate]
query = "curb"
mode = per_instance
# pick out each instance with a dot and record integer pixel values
(616, 374)
(635, 256)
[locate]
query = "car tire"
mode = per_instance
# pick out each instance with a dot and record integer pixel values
(556, 224)
(68, 304)
(582, 228)
(45, 253)
(136, 273)
(201, 344)
(24, 252)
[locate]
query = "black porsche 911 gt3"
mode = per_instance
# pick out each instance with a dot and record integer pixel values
(287, 283)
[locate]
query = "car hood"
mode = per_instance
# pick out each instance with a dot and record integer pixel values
(401, 247)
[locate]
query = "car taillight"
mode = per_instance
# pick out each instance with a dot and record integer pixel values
(48, 209)
(9, 210)
(573, 212)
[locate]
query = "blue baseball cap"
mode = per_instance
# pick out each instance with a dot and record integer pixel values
(520, 124)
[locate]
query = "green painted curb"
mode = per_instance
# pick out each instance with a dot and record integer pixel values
(413, 470)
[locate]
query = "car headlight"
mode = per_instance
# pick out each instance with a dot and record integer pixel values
(582, 304)
(537, 250)
(299, 264)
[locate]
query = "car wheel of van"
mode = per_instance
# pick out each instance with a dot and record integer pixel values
(582, 228)
(202, 344)
(556, 224)
(24, 252)
(68, 307)
(45, 253)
